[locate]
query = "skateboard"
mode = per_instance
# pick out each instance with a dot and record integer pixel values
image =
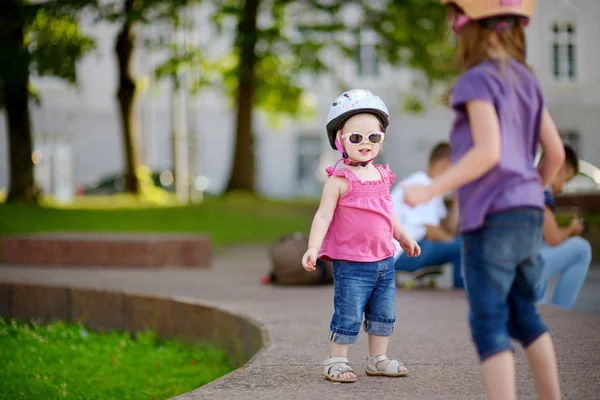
(424, 278)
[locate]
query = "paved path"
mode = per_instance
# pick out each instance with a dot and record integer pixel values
(431, 337)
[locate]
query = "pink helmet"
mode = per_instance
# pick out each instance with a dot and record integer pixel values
(477, 10)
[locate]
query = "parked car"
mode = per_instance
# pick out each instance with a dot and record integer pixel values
(587, 181)
(115, 183)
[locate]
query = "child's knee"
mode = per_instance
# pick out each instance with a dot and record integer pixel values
(582, 248)
(490, 334)
(525, 327)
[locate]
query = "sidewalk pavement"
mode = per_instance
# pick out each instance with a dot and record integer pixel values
(431, 338)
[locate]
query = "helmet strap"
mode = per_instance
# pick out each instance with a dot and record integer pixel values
(351, 163)
(500, 24)
(345, 159)
(459, 22)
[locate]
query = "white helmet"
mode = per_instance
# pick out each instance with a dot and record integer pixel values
(350, 103)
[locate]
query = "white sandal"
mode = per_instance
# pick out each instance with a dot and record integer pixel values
(333, 372)
(393, 369)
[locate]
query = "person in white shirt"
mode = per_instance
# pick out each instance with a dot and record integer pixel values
(429, 224)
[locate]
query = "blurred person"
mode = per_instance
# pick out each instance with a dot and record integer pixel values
(565, 254)
(355, 227)
(500, 118)
(429, 223)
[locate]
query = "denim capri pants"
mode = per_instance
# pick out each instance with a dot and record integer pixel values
(363, 289)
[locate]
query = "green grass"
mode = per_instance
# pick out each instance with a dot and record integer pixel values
(236, 219)
(66, 361)
(592, 219)
(589, 219)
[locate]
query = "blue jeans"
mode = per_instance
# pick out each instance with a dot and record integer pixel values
(367, 288)
(501, 267)
(435, 253)
(570, 260)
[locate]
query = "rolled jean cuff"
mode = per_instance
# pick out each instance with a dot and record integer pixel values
(493, 351)
(534, 336)
(378, 328)
(342, 338)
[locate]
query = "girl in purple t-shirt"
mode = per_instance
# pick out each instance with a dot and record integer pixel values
(500, 119)
(355, 227)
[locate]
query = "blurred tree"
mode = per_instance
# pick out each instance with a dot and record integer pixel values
(268, 58)
(277, 40)
(413, 34)
(40, 38)
(131, 15)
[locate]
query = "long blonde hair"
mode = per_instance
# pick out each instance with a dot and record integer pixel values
(474, 43)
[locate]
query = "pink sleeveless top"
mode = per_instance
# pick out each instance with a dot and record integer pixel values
(361, 228)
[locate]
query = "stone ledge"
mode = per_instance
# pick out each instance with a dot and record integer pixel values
(106, 249)
(109, 310)
(586, 202)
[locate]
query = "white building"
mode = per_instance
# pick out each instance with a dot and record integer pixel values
(563, 48)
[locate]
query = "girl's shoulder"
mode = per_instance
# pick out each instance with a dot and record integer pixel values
(339, 180)
(484, 71)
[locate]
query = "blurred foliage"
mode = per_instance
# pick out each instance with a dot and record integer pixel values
(412, 33)
(294, 39)
(56, 44)
(36, 38)
(129, 15)
(149, 192)
(52, 43)
(291, 38)
(302, 37)
(167, 16)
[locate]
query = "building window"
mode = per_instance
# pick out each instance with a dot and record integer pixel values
(564, 51)
(309, 148)
(571, 138)
(308, 152)
(367, 59)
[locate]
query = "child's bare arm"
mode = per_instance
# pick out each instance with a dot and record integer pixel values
(399, 231)
(553, 148)
(482, 157)
(324, 215)
(408, 244)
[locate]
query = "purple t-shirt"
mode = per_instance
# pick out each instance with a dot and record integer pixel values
(514, 182)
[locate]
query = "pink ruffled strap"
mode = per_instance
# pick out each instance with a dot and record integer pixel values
(386, 173)
(331, 170)
(343, 172)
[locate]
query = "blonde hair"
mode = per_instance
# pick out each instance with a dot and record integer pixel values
(473, 48)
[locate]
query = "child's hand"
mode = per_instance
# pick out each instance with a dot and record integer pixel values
(410, 247)
(309, 259)
(576, 226)
(416, 194)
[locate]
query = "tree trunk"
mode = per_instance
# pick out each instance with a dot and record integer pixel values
(242, 173)
(126, 96)
(14, 82)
